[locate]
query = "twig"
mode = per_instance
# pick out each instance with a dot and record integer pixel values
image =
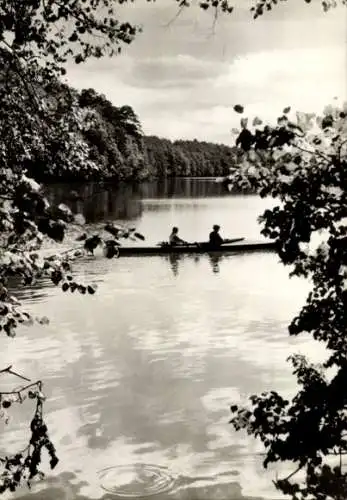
(326, 158)
(293, 473)
(9, 198)
(21, 389)
(340, 148)
(176, 16)
(9, 370)
(80, 247)
(215, 18)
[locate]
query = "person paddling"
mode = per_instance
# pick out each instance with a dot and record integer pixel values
(215, 239)
(174, 239)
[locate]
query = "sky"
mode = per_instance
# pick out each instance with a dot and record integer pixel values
(183, 75)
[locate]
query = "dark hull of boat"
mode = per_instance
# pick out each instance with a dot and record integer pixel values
(201, 248)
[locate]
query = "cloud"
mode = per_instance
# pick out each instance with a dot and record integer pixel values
(172, 72)
(303, 78)
(263, 82)
(183, 82)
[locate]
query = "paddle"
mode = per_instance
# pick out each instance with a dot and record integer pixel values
(234, 240)
(225, 242)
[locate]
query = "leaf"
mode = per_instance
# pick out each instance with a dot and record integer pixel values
(282, 120)
(53, 462)
(111, 249)
(56, 231)
(43, 321)
(82, 237)
(139, 236)
(64, 208)
(34, 186)
(91, 243)
(73, 37)
(257, 121)
(238, 108)
(41, 396)
(110, 228)
(79, 219)
(287, 110)
(56, 277)
(244, 122)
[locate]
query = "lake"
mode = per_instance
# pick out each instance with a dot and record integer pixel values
(140, 376)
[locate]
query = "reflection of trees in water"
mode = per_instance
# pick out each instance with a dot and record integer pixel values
(181, 187)
(34, 292)
(98, 202)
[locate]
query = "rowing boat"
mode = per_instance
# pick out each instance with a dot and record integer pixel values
(237, 245)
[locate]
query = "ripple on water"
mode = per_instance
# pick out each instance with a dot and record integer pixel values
(136, 480)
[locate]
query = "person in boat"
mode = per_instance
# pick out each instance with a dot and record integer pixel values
(174, 239)
(215, 239)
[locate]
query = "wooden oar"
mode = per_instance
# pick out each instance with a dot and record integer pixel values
(234, 240)
(225, 242)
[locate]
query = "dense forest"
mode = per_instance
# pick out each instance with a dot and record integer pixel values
(116, 142)
(186, 158)
(104, 142)
(111, 143)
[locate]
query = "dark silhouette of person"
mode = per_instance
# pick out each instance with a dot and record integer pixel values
(174, 239)
(215, 239)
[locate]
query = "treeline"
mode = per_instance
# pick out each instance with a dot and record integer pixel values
(121, 152)
(114, 137)
(100, 141)
(186, 158)
(116, 142)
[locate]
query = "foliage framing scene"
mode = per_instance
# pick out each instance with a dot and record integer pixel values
(52, 131)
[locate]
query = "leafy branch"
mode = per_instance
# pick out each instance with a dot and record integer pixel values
(311, 185)
(25, 464)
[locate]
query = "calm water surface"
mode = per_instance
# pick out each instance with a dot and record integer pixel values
(140, 376)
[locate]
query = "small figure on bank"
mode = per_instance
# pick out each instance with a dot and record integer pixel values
(215, 239)
(174, 239)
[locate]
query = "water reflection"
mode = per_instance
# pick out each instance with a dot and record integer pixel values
(136, 480)
(182, 187)
(175, 260)
(144, 371)
(100, 201)
(215, 259)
